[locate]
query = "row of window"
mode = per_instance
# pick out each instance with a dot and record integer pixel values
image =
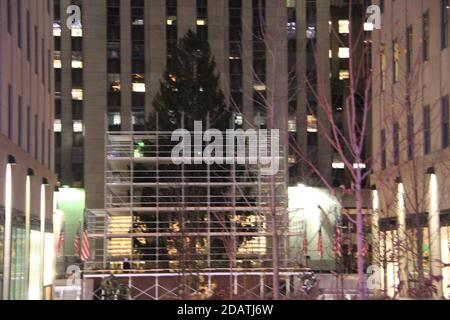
(16, 130)
(444, 39)
(411, 134)
(38, 60)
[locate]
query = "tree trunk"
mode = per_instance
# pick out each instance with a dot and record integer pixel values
(360, 240)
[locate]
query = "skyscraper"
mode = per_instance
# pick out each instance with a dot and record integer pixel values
(26, 149)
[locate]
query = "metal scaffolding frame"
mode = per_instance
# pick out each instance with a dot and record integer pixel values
(199, 221)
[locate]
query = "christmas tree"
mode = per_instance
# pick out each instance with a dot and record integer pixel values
(190, 87)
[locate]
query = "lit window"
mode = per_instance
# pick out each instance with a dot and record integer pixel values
(138, 87)
(77, 94)
(312, 124)
(338, 165)
(344, 75)
(344, 53)
(56, 29)
(311, 32)
(57, 126)
(344, 26)
(292, 125)
(290, 3)
(368, 26)
(171, 20)
(77, 30)
(57, 64)
(201, 22)
(330, 53)
(138, 22)
(359, 165)
(239, 120)
(114, 118)
(77, 126)
(77, 64)
(259, 87)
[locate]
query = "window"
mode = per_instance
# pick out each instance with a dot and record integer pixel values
(10, 113)
(410, 133)
(19, 23)
(202, 19)
(409, 49)
(383, 69)
(396, 141)
(344, 26)
(77, 60)
(445, 15)
(383, 149)
(114, 121)
(78, 126)
(43, 60)
(57, 126)
(28, 129)
(19, 120)
(36, 137)
(43, 143)
(312, 124)
(426, 130)
(77, 94)
(9, 15)
(344, 53)
(445, 127)
(426, 35)
(28, 37)
(36, 50)
(344, 75)
(395, 61)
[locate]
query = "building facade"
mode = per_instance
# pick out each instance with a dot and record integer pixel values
(411, 145)
(27, 176)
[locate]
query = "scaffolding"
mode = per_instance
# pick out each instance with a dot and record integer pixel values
(205, 224)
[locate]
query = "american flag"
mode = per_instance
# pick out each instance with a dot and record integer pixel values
(305, 243)
(337, 242)
(365, 250)
(76, 242)
(85, 251)
(349, 243)
(60, 242)
(320, 244)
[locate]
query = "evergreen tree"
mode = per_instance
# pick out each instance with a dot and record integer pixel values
(189, 91)
(190, 86)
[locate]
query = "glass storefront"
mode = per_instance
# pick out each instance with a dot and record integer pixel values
(445, 254)
(17, 285)
(49, 259)
(34, 291)
(19, 260)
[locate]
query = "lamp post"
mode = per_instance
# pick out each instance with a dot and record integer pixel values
(401, 221)
(43, 211)
(30, 174)
(434, 226)
(8, 227)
